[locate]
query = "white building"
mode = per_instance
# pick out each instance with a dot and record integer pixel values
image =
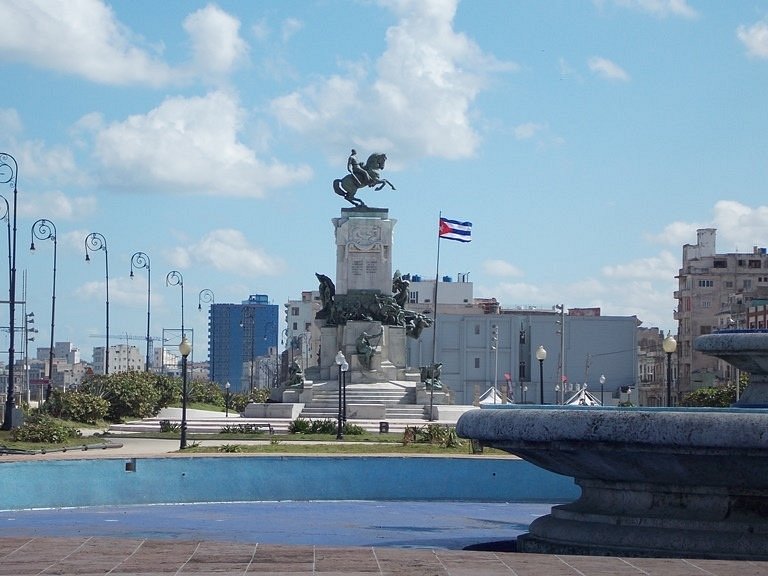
(122, 358)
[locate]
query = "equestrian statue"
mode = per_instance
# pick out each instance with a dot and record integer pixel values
(360, 176)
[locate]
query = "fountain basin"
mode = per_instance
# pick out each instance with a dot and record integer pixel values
(654, 482)
(746, 350)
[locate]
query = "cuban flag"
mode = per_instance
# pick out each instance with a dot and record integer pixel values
(455, 230)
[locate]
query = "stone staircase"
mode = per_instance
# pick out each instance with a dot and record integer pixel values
(398, 400)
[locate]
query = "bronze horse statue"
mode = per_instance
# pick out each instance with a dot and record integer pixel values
(360, 176)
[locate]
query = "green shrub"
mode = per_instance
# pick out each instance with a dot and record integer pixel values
(326, 426)
(131, 394)
(241, 429)
(230, 448)
(353, 429)
(44, 428)
(299, 426)
(206, 392)
(435, 434)
(83, 407)
(168, 426)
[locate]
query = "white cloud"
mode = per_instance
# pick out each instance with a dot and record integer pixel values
(84, 38)
(428, 77)
(79, 37)
(739, 228)
(189, 145)
(501, 268)
(10, 122)
(57, 205)
(527, 130)
(228, 250)
(290, 27)
(755, 39)
(659, 8)
(216, 44)
(661, 267)
(607, 69)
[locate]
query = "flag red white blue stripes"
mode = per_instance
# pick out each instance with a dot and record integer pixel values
(455, 230)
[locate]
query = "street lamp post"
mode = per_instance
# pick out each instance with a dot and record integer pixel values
(140, 260)
(340, 361)
(495, 349)
(541, 355)
(602, 389)
(174, 278)
(8, 175)
(45, 230)
(184, 348)
(669, 345)
(93, 242)
(344, 368)
(206, 296)
(226, 400)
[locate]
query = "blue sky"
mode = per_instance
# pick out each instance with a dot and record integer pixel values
(585, 140)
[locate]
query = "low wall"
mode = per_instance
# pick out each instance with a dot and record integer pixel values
(108, 481)
(272, 410)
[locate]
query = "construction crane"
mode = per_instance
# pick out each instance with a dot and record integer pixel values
(126, 337)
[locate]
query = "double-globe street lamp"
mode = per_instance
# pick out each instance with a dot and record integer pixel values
(184, 348)
(93, 242)
(45, 230)
(341, 362)
(541, 355)
(140, 260)
(9, 175)
(670, 346)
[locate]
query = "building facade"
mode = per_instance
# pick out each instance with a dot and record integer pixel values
(239, 335)
(715, 291)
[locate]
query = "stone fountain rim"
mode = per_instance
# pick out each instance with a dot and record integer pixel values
(718, 428)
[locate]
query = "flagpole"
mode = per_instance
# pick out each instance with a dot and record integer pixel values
(434, 323)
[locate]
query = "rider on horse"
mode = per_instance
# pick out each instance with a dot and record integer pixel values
(360, 176)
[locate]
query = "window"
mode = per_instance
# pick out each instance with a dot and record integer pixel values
(294, 311)
(477, 362)
(754, 264)
(720, 264)
(706, 283)
(747, 284)
(729, 284)
(477, 329)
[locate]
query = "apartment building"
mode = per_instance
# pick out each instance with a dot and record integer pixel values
(715, 291)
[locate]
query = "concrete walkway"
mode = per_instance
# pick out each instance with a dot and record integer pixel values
(99, 556)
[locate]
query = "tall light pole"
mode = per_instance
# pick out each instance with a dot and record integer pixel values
(174, 278)
(45, 230)
(541, 355)
(8, 175)
(669, 345)
(206, 296)
(495, 349)
(140, 260)
(184, 348)
(602, 389)
(93, 242)
(340, 360)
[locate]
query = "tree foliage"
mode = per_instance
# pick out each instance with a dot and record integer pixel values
(715, 396)
(133, 394)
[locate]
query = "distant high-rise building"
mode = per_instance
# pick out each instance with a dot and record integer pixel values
(239, 335)
(714, 291)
